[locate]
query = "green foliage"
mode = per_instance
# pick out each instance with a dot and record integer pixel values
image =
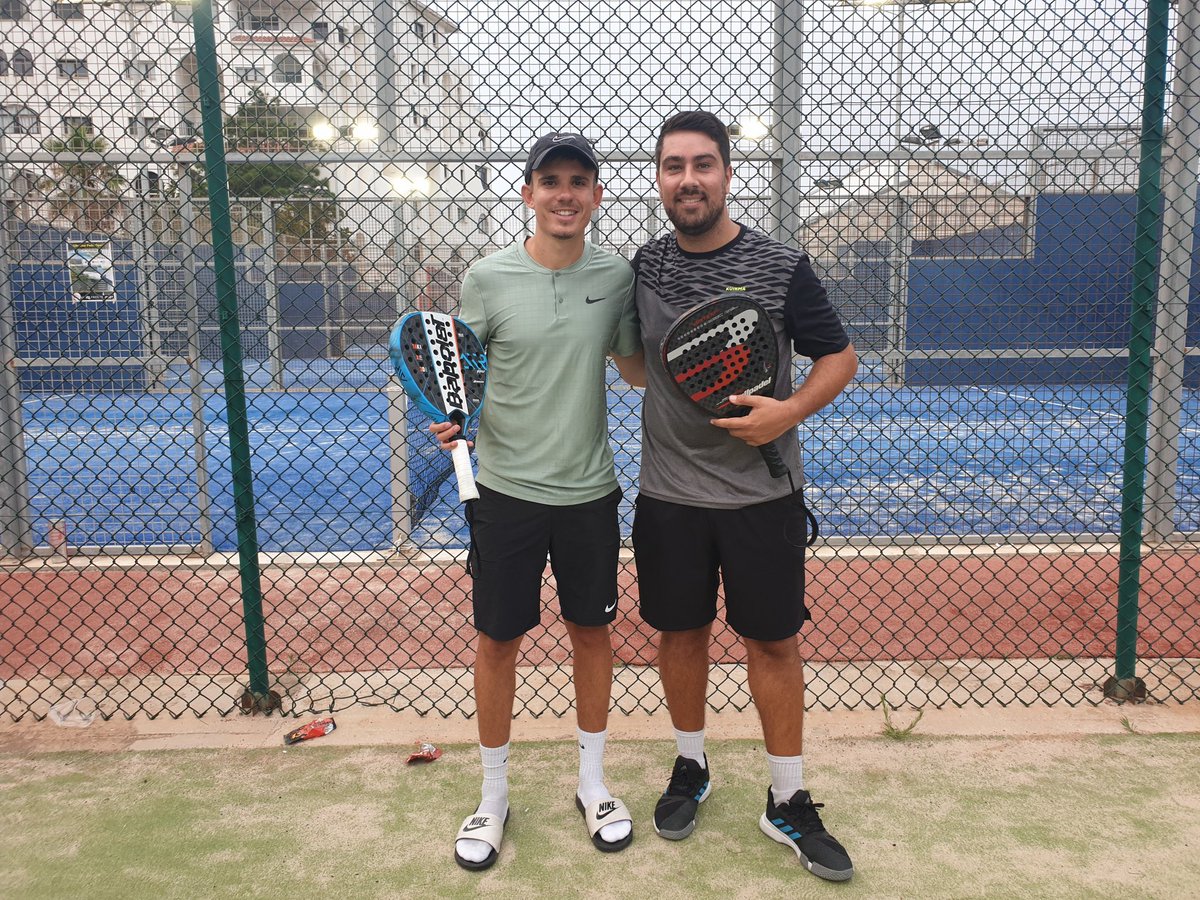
(86, 194)
(264, 125)
(894, 731)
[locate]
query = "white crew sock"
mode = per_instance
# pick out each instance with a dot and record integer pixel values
(691, 745)
(494, 799)
(591, 780)
(787, 776)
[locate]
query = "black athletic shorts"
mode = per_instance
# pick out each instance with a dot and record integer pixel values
(757, 552)
(510, 541)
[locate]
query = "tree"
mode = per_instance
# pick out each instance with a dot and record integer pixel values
(264, 125)
(87, 195)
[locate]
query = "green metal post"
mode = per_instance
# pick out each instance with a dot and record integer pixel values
(258, 696)
(1124, 683)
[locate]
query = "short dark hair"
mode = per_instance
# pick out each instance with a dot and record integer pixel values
(695, 120)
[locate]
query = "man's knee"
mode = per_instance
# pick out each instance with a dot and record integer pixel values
(490, 650)
(589, 638)
(773, 653)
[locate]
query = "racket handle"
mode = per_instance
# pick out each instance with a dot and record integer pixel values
(462, 472)
(775, 463)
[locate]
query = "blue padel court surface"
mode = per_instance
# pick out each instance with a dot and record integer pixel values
(120, 469)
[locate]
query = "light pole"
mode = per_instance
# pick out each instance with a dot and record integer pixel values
(407, 186)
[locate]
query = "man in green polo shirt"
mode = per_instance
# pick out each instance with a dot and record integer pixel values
(550, 310)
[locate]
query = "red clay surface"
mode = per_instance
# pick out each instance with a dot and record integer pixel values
(105, 622)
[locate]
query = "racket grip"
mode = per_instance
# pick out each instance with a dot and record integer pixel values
(775, 463)
(462, 472)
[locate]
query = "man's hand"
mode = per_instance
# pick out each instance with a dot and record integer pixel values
(444, 433)
(768, 419)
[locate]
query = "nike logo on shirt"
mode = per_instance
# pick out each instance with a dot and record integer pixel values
(592, 299)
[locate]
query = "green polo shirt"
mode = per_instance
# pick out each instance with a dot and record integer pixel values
(543, 430)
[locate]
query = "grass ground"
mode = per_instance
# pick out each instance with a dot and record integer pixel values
(931, 816)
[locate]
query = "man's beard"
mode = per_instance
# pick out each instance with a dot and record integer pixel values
(695, 227)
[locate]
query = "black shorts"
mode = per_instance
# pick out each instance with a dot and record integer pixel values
(757, 552)
(510, 541)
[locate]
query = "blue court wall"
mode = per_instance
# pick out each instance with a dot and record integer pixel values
(49, 324)
(1073, 292)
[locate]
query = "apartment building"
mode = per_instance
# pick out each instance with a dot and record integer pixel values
(365, 76)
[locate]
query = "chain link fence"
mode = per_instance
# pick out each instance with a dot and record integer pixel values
(213, 495)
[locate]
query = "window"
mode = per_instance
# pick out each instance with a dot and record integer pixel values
(67, 11)
(13, 9)
(148, 126)
(19, 120)
(181, 11)
(23, 182)
(72, 68)
(418, 28)
(288, 70)
(259, 18)
(320, 31)
(249, 74)
(22, 62)
(484, 179)
(138, 70)
(80, 124)
(150, 182)
(343, 35)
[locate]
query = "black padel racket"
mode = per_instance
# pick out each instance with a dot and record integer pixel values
(722, 347)
(443, 368)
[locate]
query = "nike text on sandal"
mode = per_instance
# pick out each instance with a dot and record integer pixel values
(675, 812)
(606, 812)
(797, 824)
(481, 827)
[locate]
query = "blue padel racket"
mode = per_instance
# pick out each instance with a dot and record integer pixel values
(722, 347)
(442, 367)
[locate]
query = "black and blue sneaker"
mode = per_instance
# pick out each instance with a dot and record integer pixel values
(675, 813)
(797, 824)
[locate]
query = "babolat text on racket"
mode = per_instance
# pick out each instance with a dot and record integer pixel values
(442, 367)
(722, 347)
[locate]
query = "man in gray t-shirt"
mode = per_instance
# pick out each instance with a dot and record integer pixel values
(550, 310)
(708, 511)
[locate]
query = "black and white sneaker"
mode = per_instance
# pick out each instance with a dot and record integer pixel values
(797, 824)
(675, 813)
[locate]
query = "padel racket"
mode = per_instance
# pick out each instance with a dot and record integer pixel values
(722, 347)
(443, 368)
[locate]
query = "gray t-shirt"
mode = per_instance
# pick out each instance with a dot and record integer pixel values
(543, 430)
(685, 459)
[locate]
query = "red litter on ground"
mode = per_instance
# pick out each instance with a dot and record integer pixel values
(314, 729)
(426, 752)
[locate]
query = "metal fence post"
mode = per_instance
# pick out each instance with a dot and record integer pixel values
(398, 455)
(1124, 684)
(190, 237)
(258, 697)
(16, 517)
(271, 286)
(899, 243)
(1180, 167)
(789, 120)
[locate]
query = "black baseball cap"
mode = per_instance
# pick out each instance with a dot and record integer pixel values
(559, 140)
